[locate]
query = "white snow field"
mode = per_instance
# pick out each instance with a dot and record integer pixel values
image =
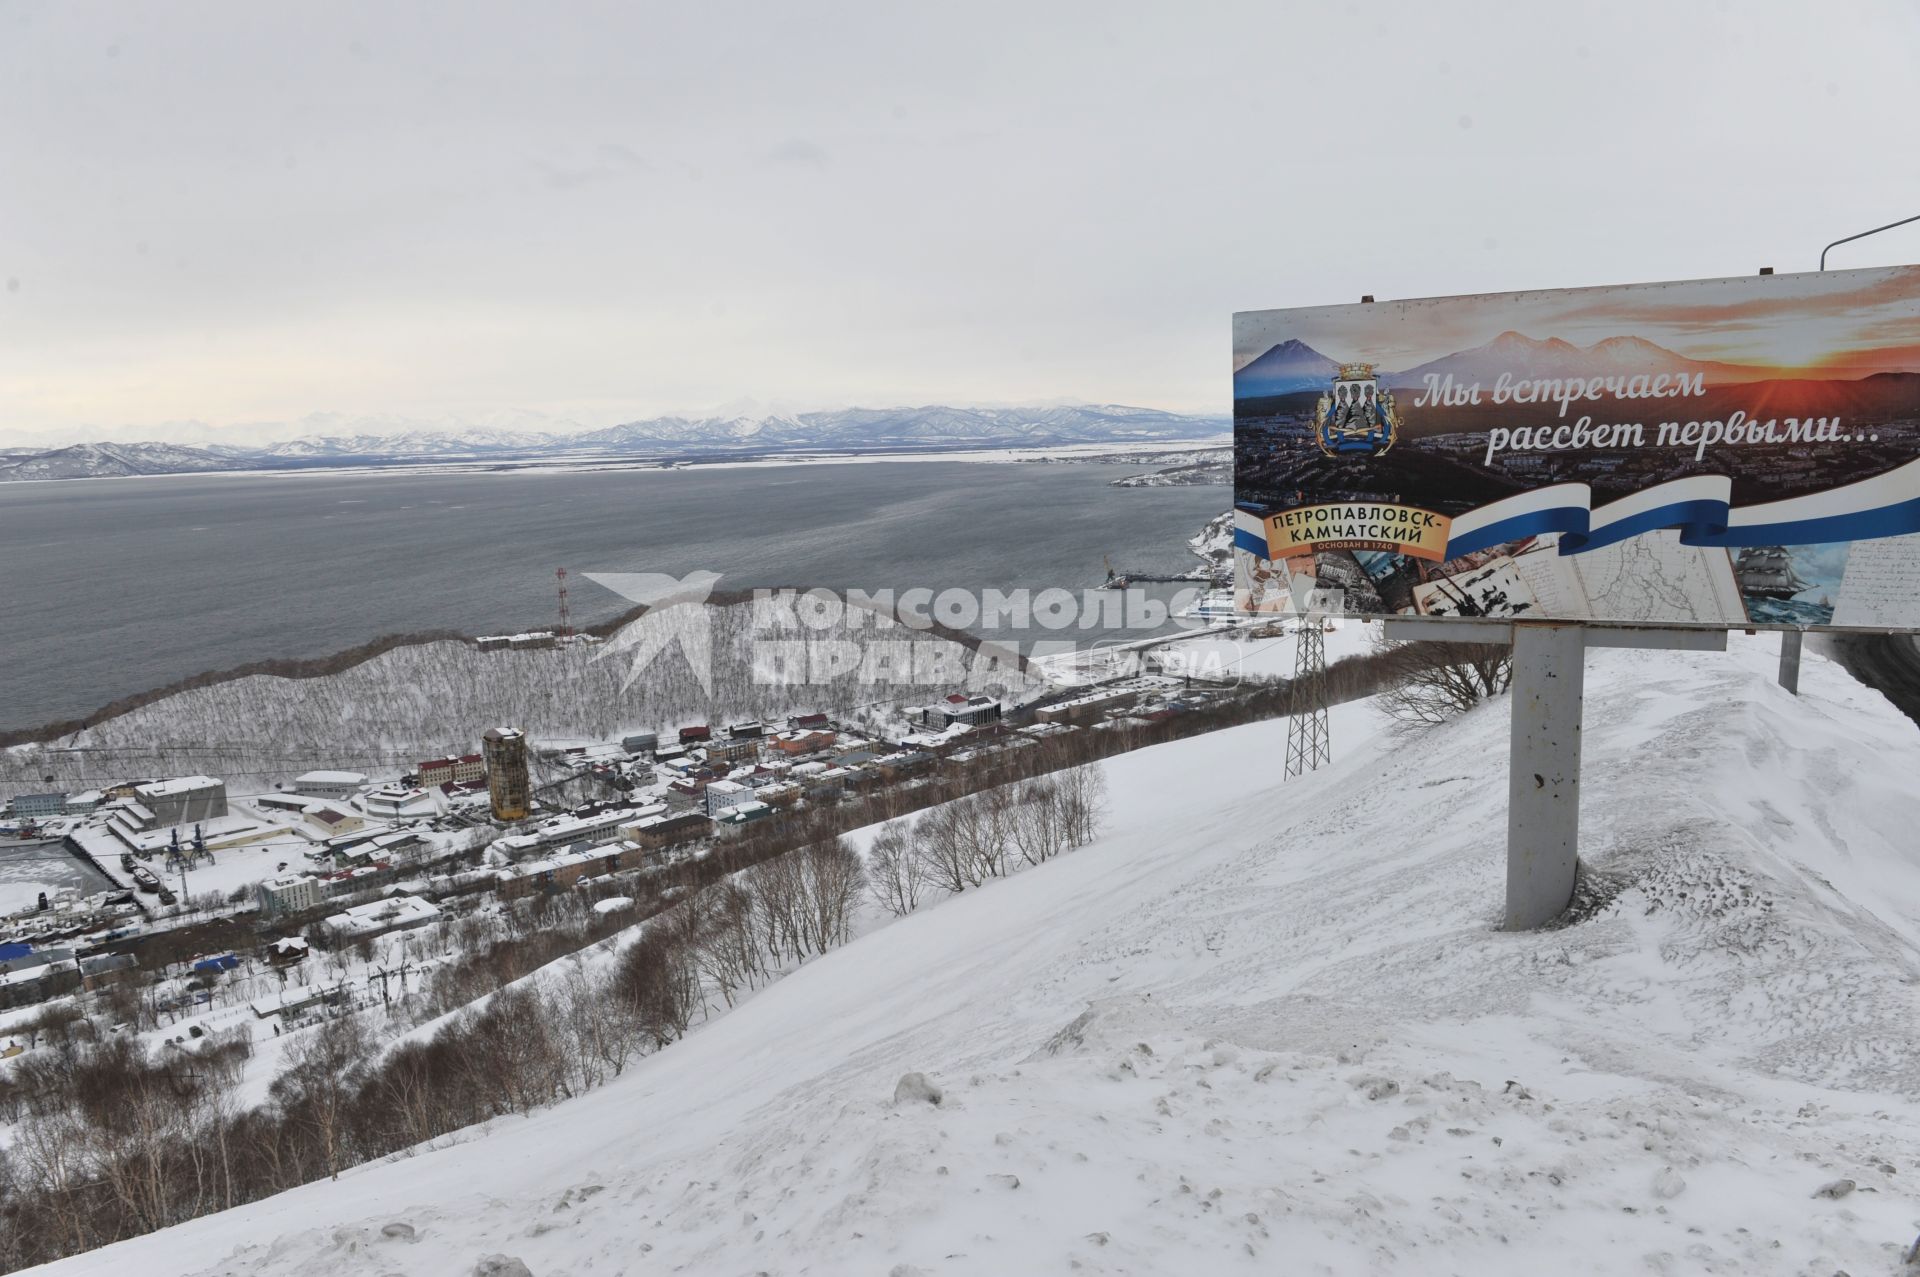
(1270, 1028)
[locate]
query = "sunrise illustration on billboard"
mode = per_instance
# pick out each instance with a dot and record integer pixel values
(1738, 451)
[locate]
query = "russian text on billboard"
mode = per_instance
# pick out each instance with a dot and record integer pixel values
(1727, 452)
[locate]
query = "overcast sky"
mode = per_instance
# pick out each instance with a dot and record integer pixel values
(245, 220)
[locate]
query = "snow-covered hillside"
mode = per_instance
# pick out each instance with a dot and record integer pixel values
(423, 699)
(1265, 1027)
(109, 460)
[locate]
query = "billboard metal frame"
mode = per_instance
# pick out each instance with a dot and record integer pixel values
(1686, 510)
(1547, 696)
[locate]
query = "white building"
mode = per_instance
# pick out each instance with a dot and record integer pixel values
(395, 802)
(325, 784)
(377, 918)
(293, 893)
(725, 795)
(568, 830)
(743, 814)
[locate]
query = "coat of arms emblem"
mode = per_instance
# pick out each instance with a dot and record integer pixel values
(1356, 416)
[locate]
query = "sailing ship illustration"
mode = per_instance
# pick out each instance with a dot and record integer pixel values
(1766, 571)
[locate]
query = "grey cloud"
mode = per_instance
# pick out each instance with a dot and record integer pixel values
(798, 150)
(605, 212)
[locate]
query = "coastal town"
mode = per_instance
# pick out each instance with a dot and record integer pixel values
(212, 900)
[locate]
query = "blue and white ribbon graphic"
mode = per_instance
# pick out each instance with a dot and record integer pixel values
(1701, 507)
(1249, 533)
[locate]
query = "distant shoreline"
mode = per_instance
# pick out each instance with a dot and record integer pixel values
(591, 462)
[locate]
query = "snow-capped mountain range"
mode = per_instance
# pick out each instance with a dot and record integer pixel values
(846, 430)
(110, 460)
(1293, 366)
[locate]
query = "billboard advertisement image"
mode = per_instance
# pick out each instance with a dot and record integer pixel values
(1724, 452)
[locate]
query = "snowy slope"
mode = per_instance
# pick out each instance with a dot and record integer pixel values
(1270, 1028)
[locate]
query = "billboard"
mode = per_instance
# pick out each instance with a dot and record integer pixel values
(1726, 452)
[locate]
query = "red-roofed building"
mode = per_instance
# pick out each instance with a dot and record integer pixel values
(459, 771)
(803, 742)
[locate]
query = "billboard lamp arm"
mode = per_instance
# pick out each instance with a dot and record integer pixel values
(1862, 235)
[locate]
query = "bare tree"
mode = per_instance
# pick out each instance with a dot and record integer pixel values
(943, 841)
(834, 878)
(779, 890)
(728, 949)
(658, 981)
(1038, 821)
(895, 873)
(317, 1084)
(1083, 802)
(1429, 683)
(989, 824)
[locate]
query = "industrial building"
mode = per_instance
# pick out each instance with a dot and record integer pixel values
(181, 801)
(505, 750)
(970, 710)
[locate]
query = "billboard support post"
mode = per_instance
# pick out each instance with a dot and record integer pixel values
(1543, 771)
(1543, 774)
(1790, 641)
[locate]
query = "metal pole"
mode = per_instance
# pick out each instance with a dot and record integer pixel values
(1790, 660)
(1543, 781)
(1863, 234)
(1543, 767)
